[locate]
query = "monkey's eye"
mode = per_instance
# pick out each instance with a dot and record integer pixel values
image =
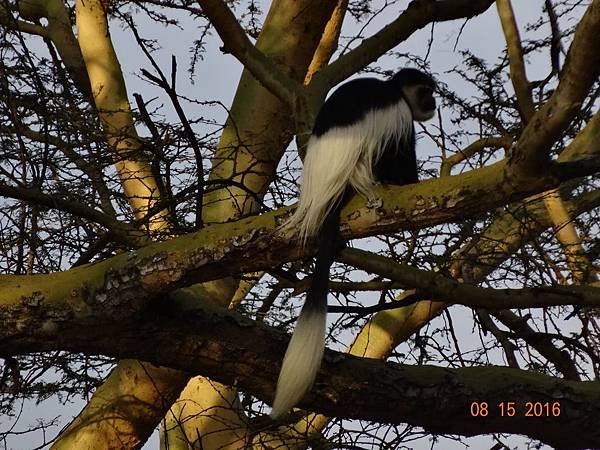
(425, 90)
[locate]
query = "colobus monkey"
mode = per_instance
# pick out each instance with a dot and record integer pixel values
(363, 135)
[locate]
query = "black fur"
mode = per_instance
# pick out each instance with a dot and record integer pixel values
(347, 106)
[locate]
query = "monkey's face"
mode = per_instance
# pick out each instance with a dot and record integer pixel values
(421, 101)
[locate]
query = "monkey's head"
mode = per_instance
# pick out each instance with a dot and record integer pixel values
(417, 89)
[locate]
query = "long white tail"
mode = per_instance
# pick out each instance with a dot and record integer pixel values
(342, 157)
(302, 358)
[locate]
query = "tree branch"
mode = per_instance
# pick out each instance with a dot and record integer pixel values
(59, 30)
(214, 342)
(114, 111)
(224, 249)
(541, 342)
(7, 20)
(237, 43)
(449, 290)
(530, 156)
(123, 232)
(471, 149)
(329, 41)
(515, 59)
(419, 14)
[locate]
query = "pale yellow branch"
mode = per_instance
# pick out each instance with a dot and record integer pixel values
(127, 407)
(471, 149)
(329, 41)
(515, 59)
(60, 31)
(581, 267)
(582, 271)
(110, 96)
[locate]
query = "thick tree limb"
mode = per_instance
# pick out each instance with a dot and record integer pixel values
(18, 314)
(237, 351)
(436, 201)
(329, 41)
(114, 111)
(225, 249)
(60, 31)
(530, 157)
(418, 14)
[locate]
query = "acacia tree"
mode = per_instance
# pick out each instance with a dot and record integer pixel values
(128, 238)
